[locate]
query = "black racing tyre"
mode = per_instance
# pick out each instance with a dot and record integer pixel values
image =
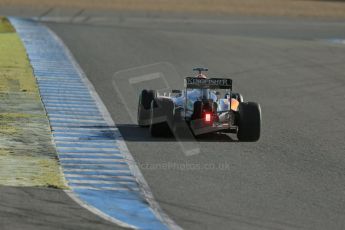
(249, 124)
(161, 117)
(237, 96)
(144, 105)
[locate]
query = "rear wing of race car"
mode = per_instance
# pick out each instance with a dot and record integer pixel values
(207, 83)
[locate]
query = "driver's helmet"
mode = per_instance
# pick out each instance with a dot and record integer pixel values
(201, 75)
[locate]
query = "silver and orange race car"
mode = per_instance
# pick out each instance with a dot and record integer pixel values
(205, 105)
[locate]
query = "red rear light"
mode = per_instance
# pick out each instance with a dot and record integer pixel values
(208, 117)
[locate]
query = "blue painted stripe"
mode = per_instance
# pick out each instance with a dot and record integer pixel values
(75, 107)
(71, 116)
(64, 93)
(89, 123)
(92, 167)
(49, 81)
(91, 129)
(128, 202)
(42, 66)
(89, 178)
(129, 186)
(74, 113)
(62, 156)
(71, 107)
(92, 162)
(61, 80)
(61, 150)
(63, 86)
(60, 76)
(84, 133)
(67, 120)
(94, 149)
(97, 154)
(81, 145)
(71, 101)
(95, 172)
(58, 117)
(78, 140)
(96, 126)
(72, 125)
(70, 86)
(96, 137)
(62, 101)
(66, 97)
(87, 137)
(53, 72)
(85, 129)
(63, 90)
(76, 162)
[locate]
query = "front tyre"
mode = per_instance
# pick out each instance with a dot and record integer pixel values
(144, 105)
(249, 124)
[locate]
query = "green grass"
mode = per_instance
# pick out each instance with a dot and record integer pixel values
(27, 155)
(5, 26)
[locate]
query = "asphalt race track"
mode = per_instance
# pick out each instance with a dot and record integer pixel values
(293, 178)
(45, 208)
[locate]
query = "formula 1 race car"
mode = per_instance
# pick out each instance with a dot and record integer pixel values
(205, 105)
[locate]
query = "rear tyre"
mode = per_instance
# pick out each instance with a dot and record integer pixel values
(144, 105)
(161, 117)
(249, 124)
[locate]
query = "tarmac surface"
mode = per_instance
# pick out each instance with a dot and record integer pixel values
(293, 178)
(45, 208)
